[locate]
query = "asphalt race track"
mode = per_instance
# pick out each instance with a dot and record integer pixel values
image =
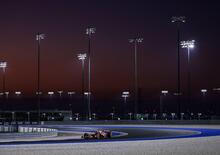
(140, 140)
(121, 133)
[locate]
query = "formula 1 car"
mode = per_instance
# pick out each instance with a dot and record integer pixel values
(99, 134)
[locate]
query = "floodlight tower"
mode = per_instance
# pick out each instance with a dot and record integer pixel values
(17, 93)
(89, 32)
(188, 45)
(50, 93)
(216, 91)
(82, 58)
(39, 37)
(60, 92)
(178, 21)
(135, 41)
(125, 95)
(70, 94)
(162, 94)
(203, 91)
(205, 108)
(3, 66)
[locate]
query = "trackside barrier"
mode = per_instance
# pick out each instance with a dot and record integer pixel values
(36, 130)
(21, 129)
(8, 128)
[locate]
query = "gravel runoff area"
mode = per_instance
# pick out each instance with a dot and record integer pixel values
(181, 146)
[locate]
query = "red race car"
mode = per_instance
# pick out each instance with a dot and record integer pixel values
(99, 134)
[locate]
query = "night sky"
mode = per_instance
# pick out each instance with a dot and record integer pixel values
(64, 23)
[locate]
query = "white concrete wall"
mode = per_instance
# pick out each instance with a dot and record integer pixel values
(27, 129)
(22, 129)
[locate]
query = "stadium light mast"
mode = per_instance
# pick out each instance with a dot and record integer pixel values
(82, 58)
(190, 44)
(178, 21)
(204, 91)
(70, 94)
(216, 91)
(205, 108)
(125, 95)
(39, 37)
(60, 92)
(162, 94)
(17, 93)
(135, 41)
(50, 93)
(89, 32)
(3, 66)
